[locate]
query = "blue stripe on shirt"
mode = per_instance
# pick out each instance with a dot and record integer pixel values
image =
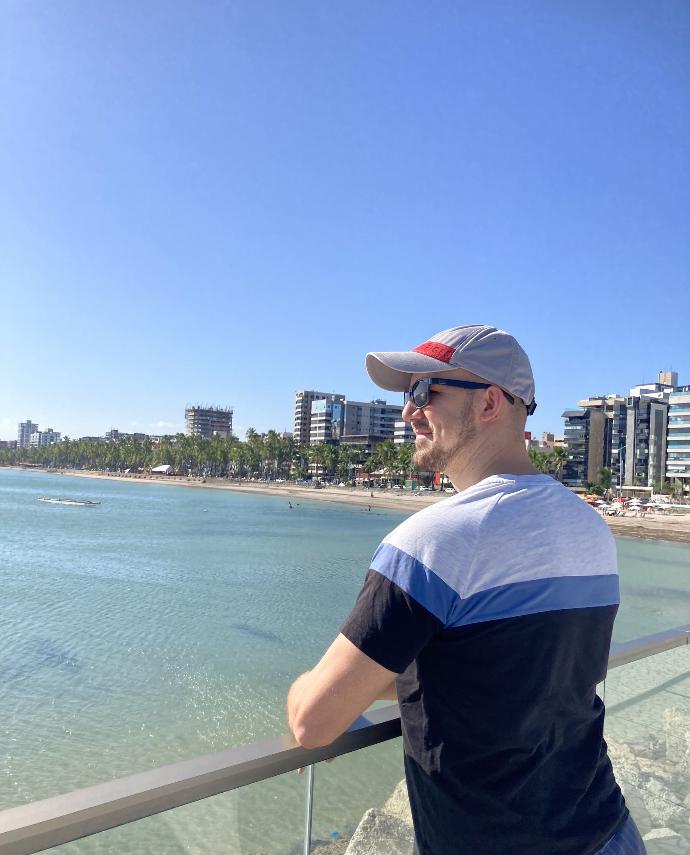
(417, 580)
(500, 602)
(538, 595)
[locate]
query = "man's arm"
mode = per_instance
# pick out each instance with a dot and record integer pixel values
(324, 702)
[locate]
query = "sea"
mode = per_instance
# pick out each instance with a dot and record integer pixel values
(167, 623)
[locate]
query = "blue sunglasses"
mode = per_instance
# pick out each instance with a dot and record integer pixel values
(420, 392)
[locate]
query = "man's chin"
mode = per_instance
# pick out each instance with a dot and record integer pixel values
(428, 459)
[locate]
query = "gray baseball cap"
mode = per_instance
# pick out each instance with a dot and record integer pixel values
(490, 353)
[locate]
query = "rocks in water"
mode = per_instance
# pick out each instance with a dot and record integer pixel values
(655, 781)
(387, 831)
(381, 833)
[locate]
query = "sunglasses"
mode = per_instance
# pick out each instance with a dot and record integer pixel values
(420, 391)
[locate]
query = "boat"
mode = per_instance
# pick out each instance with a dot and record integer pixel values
(83, 503)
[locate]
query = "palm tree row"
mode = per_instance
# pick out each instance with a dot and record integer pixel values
(268, 455)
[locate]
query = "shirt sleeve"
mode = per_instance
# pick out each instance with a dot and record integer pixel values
(388, 624)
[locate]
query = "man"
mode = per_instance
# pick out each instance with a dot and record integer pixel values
(488, 616)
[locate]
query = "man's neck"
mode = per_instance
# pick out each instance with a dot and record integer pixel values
(466, 473)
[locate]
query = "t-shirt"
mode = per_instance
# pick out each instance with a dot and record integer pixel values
(495, 607)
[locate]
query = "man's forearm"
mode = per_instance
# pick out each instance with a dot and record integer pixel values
(293, 698)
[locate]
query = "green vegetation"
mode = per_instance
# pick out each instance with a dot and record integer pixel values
(550, 462)
(267, 455)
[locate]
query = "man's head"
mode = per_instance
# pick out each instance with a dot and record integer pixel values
(469, 391)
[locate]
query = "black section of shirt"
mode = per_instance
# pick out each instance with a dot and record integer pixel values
(389, 625)
(502, 727)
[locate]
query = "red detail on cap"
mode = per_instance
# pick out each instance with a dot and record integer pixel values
(436, 350)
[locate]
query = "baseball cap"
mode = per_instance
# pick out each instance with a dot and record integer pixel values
(490, 353)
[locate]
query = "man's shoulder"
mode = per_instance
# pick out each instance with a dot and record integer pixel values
(452, 516)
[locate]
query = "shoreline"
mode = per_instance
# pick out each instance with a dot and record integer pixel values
(673, 528)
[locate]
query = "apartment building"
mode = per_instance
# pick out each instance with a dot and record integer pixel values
(645, 441)
(41, 438)
(302, 412)
(678, 437)
(581, 426)
(24, 431)
(372, 418)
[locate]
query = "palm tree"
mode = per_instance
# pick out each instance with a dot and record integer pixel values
(539, 459)
(605, 475)
(386, 454)
(405, 462)
(559, 455)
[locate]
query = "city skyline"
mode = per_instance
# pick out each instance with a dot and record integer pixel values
(289, 420)
(229, 203)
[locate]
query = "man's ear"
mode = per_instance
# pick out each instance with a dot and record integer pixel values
(493, 403)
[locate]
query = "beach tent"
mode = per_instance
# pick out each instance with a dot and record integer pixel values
(162, 470)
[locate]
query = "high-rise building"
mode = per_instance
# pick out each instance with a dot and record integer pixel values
(25, 429)
(208, 421)
(302, 415)
(645, 441)
(583, 435)
(678, 444)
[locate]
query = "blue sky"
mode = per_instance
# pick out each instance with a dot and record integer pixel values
(227, 201)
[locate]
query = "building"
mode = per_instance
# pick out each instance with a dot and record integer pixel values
(549, 441)
(373, 418)
(626, 434)
(41, 438)
(645, 441)
(208, 421)
(579, 426)
(678, 437)
(25, 429)
(114, 435)
(327, 420)
(402, 432)
(302, 413)
(647, 426)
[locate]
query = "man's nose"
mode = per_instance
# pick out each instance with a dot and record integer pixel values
(409, 409)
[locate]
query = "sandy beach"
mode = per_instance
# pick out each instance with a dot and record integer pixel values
(654, 526)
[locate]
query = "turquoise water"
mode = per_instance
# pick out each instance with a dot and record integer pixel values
(168, 622)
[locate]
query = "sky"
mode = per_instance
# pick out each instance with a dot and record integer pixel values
(223, 202)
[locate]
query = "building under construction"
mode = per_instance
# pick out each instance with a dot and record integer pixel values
(208, 421)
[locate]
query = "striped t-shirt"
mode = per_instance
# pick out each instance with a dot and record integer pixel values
(496, 607)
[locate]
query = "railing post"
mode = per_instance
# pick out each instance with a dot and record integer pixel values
(308, 807)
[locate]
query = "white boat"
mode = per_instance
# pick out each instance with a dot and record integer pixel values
(84, 503)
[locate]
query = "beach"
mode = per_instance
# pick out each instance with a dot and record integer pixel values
(674, 527)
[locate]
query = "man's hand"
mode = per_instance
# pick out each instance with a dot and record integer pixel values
(324, 702)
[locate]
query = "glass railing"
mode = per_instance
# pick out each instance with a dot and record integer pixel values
(648, 735)
(250, 800)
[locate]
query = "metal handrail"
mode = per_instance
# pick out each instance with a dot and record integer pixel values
(51, 822)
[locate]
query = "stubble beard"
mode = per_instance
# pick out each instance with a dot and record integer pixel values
(437, 459)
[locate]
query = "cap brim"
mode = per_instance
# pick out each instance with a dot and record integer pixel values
(393, 371)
